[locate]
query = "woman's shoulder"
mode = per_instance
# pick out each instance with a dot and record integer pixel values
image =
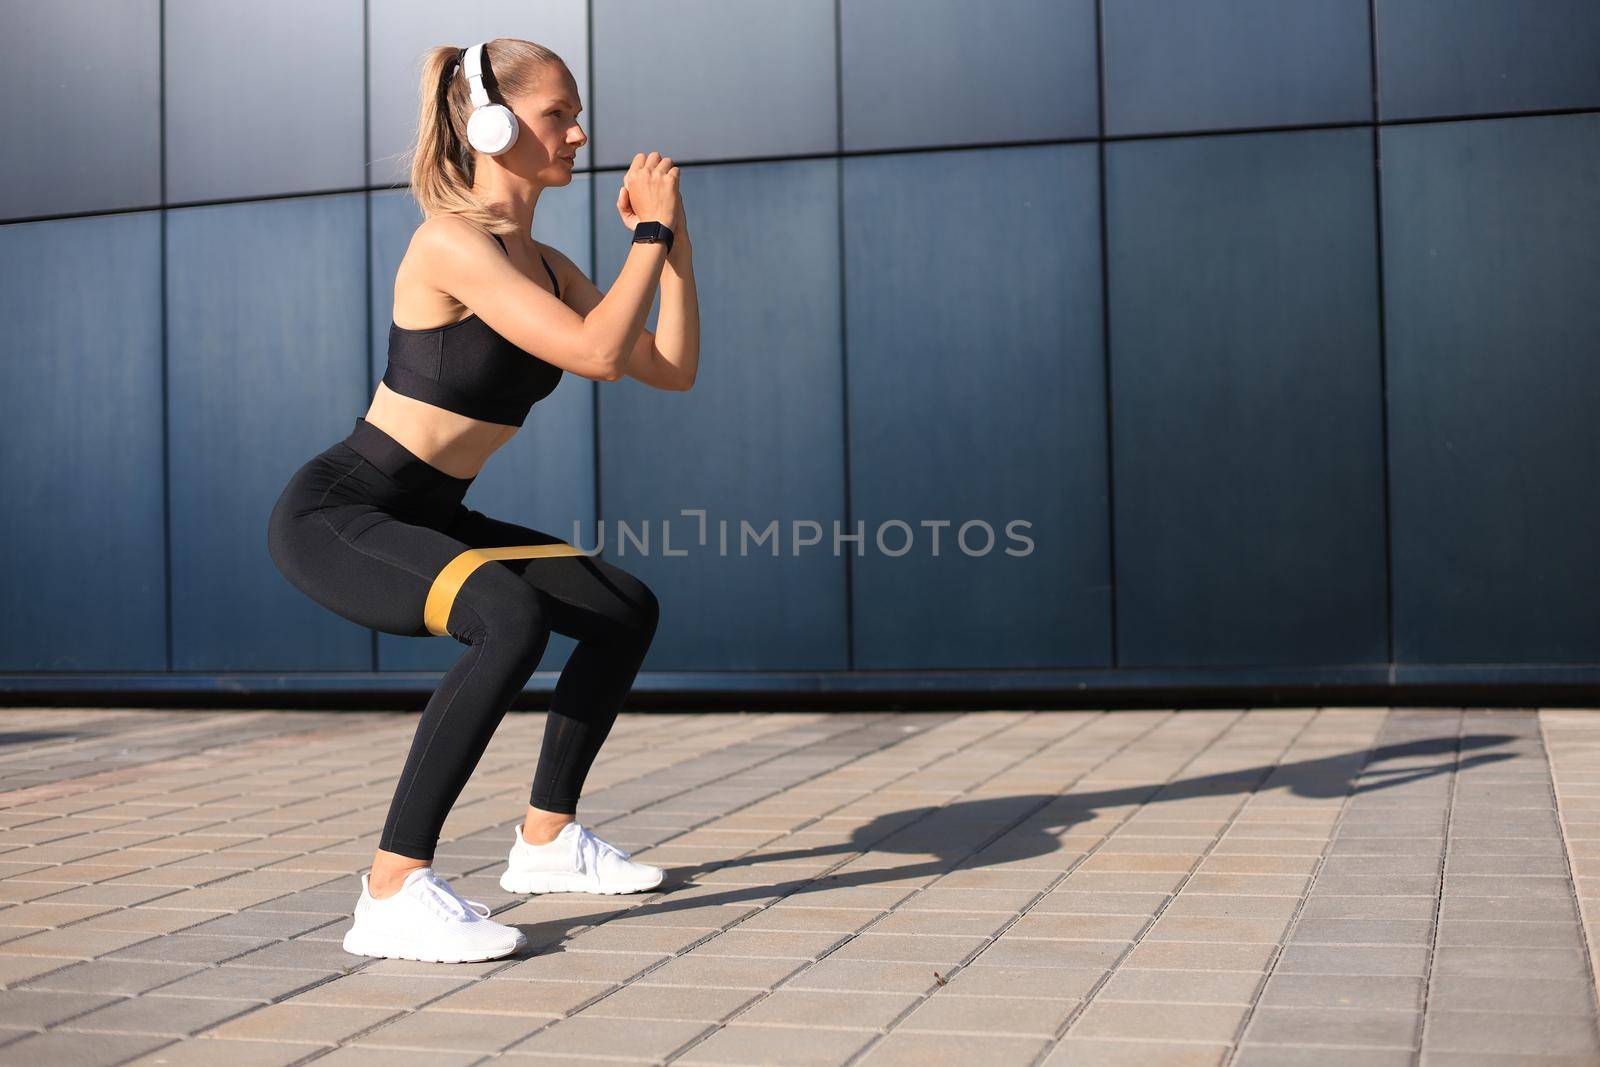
(443, 231)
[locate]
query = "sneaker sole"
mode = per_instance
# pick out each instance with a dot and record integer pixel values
(358, 946)
(566, 883)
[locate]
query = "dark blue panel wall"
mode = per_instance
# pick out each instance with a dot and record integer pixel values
(1216, 64)
(735, 78)
(759, 438)
(263, 99)
(85, 582)
(82, 121)
(1261, 430)
(266, 349)
(1490, 270)
(976, 394)
(1464, 57)
(914, 73)
(1247, 400)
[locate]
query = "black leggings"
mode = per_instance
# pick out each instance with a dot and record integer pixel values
(365, 527)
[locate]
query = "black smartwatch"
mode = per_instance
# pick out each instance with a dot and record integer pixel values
(651, 232)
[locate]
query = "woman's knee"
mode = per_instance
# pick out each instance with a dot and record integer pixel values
(502, 609)
(639, 614)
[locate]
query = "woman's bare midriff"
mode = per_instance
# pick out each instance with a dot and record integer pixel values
(454, 443)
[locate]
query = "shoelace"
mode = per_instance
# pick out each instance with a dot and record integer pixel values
(442, 899)
(590, 849)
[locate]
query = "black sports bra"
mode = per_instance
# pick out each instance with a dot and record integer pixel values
(467, 368)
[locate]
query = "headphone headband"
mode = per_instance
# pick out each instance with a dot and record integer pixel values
(472, 63)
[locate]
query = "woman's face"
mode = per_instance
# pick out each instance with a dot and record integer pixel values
(549, 120)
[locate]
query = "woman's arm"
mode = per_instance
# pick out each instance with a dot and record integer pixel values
(669, 358)
(463, 261)
(664, 359)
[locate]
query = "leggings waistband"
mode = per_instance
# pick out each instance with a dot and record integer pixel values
(398, 462)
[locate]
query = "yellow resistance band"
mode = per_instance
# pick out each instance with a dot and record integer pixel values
(442, 594)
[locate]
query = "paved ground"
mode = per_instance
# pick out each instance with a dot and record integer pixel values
(1151, 888)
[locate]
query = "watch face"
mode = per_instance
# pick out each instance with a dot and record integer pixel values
(647, 231)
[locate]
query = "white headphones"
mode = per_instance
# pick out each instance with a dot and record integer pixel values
(491, 128)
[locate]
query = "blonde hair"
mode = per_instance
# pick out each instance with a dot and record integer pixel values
(442, 162)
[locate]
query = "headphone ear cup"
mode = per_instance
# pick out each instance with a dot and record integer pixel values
(492, 129)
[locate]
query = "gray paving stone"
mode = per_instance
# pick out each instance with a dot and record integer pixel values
(870, 975)
(672, 1002)
(1528, 994)
(550, 999)
(1378, 884)
(1500, 1059)
(1177, 1022)
(739, 972)
(322, 957)
(1065, 927)
(111, 976)
(977, 924)
(1050, 983)
(1513, 934)
(233, 982)
(650, 1040)
(209, 1052)
(1511, 962)
(1519, 909)
(358, 1056)
(1178, 987)
(951, 1013)
(173, 1016)
(303, 1023)
(1033, 952)
(1063, 900)
(1497, 885)
(1232, 906)
(1354, 959)
(1172, 927)
(1349, 1027)
(941, 950)
(1513, 1033)
(257, 922)
(185, 948)
(779, 1046)
(1200, 955)
(38, 1008)
(378, 991)
(906, 1049)
(1387, 992)
(1109, 1052)
(1320, 905)
(1363, 932)
(77, 1049)
(449, 1031)
(75, 942)
(1390, 864)
(1290, 1056)
(616, 967)
(827, 1008)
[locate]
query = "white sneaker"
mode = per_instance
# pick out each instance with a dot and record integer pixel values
(575, 862)
(426, 920)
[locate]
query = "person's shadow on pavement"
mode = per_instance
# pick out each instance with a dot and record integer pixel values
(973, 833)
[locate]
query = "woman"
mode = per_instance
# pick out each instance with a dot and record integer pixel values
(374, 527)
